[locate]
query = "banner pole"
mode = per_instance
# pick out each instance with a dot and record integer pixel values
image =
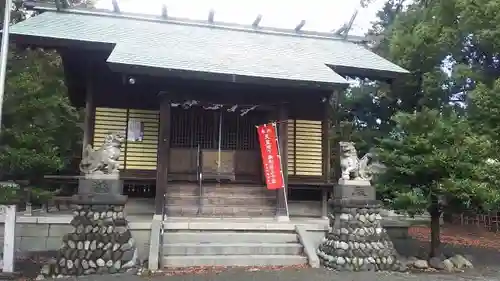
(10, 210)
(281, 170)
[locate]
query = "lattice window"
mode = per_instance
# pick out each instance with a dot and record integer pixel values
(305, 148)
(195, 126)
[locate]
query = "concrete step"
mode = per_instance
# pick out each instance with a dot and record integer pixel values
(221, 211)
(229, 237)
(238, 260)
(249, 200)
(208, 249)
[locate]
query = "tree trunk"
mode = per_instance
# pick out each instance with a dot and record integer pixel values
(435, 250)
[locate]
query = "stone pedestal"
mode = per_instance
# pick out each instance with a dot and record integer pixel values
(101, 241)
(356, 241)
(100, 189)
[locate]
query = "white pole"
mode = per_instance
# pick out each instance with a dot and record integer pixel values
(4, 52)
(10, 210)
(9, 238)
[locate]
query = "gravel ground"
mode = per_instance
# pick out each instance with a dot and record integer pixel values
(481, 248)
(298, 275)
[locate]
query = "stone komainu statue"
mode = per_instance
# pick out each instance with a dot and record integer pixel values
(105, 159)
(354, 168)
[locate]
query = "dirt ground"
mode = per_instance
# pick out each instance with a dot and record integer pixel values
(482, 247)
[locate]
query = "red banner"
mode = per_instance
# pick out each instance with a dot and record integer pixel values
(271, 160)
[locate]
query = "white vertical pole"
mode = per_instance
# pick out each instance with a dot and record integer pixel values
(10, 210)
(9, 238)
(4, 52)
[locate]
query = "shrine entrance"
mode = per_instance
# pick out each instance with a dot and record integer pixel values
(215, 158)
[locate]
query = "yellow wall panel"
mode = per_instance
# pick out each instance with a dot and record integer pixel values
(305, 148)
(109, 120)
(141, 155)
(291, 147)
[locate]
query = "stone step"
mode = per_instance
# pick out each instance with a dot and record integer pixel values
(208, 200)
(223, 192)
(235, 260)
(208, 249)
(220, 211)
(222, 189)
(229, 237)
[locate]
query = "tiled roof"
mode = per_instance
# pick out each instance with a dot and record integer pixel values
(209, 49)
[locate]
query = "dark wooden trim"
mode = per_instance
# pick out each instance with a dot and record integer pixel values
(283, 142)
(126, 138)
(88, 122)
(294, 146)
(163, 154)
(56, 43)
(325, 129)
(221, 77)
(335, 101)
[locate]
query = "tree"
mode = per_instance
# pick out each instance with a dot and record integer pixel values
(434, 162)
(40, 129)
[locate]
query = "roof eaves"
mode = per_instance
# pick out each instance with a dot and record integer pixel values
(222, 77)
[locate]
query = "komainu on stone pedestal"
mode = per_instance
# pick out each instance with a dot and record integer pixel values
(101, 242)
(356, 241)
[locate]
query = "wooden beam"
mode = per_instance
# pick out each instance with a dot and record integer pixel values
(88, 122)
(163, 154)
(300, 25)
(256, 22)
(211, 16)
(335, 101)
(325, 137)
(281, 204)
(116, 7)
(164, 13)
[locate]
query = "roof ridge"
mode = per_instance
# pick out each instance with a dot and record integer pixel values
(199, 23)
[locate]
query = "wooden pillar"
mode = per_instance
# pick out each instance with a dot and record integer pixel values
(335, 102)
(281, 198)
(324, 203)
(88, 122)
(325, 137)
(163, 154)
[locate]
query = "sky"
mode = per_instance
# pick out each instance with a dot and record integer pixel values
(320, 15)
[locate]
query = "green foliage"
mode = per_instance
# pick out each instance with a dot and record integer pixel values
(40, 129)
(10, 193)
(434, 160)
(484, 112)
(41, 196)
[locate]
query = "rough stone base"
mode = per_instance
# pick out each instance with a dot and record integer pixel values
(101, 242)
(356, 241)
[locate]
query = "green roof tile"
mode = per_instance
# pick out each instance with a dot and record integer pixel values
(210, 49)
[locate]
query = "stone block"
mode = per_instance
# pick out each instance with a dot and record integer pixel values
(100, 186)
(154, 244)
(53, 243)
(32, 230)
(354, 190)
(59, 230)
(142, 239)
(33, 243)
